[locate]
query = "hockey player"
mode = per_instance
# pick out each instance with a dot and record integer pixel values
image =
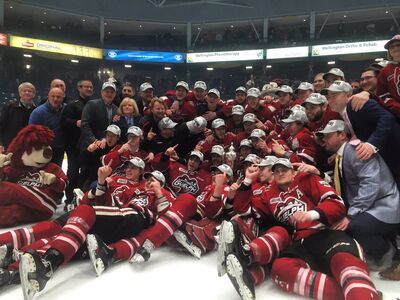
(139, 209)
(313, 261)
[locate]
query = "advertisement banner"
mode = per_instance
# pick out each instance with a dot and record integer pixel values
(55, 47)
(3, 39)
(144, 56)
(225, 56)
(291, 52)
(348, 48)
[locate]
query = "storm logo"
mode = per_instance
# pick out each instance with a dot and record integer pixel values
(185, 184)
(285, 209)
(119, 190)
(142, 201)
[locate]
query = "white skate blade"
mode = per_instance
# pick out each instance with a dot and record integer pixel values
(225, 238)
(235, 272)
(92, 246)
(190, 247)
(29, 287)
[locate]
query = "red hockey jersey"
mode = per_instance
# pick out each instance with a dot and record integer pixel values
(388, 88)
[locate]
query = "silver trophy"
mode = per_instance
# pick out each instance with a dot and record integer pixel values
(230, 156)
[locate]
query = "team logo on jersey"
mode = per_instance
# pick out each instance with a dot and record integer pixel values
(287, 207)
(119, 190)
(295, 144)
(30, 179)
(142, 200)
(185, 184)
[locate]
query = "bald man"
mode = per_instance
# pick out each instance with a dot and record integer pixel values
(58, 83)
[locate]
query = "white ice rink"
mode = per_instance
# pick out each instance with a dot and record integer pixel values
(168, 274)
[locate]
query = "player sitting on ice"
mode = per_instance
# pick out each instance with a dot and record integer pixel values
(312, 260)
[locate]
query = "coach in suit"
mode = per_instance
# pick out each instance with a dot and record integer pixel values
(370, 193)
(96, 116)
(376, 127)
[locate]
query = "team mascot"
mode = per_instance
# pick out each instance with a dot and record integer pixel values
(30, 185)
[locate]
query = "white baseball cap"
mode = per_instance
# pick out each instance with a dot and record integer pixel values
(296, 116)
(393, 39)
(282, 162)
(218, 149)
(114, 129)
(108, 84)
(237, 110)
(334, 71)
(284, 89)
(157, 175)
(245, 143)
(166, 123)
(333, 126)
(338, 86)
(134, 130)
(305, 86)
(145, 86)
(252, 158)
(253, 92)
(269, 160)
(196, 125)
(257, 133)
(197, 154)
(137, 162)
(214, 91)
(315, 98)
(217, 123)
(183, 84)
(241, 89)
(224, 168)
(249, 117)
(200, 85)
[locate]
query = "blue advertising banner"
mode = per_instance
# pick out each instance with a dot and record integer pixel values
(145, 56)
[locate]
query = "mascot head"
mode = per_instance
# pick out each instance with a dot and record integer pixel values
(31, 147)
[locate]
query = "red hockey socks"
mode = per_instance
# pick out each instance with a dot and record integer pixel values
(352, 274)
(126, 248)
(73, 233)
(28, 235)
(294, 276)
(258, 273)
(268, 246)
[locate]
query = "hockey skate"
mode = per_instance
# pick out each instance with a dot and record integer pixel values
(8, 277)
(34, 273)
(7, 255)
(184, 241)
(240, 277)
(143, 253)
(229, 240)
(78, 195)
(100, 254)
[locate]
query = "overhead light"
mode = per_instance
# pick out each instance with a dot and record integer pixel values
(386, 12)
(140, 26)
(198, 28)
(27, 55)
(75, 61)
(41, 22)
(167, 68)
(109, 32)
(98, 72)
(11, 7)
(268, 66)
(128, 66)
(304, 20)
(332, 62)
(105, 24)
(379, 59)
(249, 67)
(83, 20)
(174, 27)
(344, 16)
(45, 13)
(232, 26)
(28, 67)
(210, 69)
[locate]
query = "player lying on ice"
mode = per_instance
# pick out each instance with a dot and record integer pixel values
(307, 257)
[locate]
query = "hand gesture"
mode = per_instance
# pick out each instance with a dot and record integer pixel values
(116, 118)
(5, 159)
(233, 188)
(300, 217)
(260, 125)
(151, 135)
(303, 167)
(47, 178)
(171, 152)
(278, 148)
(155, 186)
(252, 172)
(149, 158)
(207, 132)
(104, 171)
(220, 179)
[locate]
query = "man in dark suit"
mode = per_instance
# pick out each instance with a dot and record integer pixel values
(376, 127)
(96, 116)
(370, 193)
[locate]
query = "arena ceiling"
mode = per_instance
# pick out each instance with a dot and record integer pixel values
(198, 11)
